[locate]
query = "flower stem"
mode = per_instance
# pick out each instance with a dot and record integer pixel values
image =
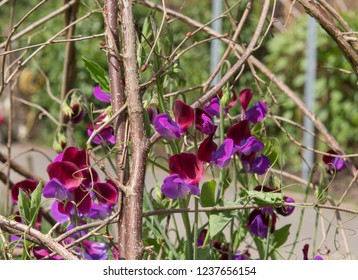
(189, 243)
(196, 220)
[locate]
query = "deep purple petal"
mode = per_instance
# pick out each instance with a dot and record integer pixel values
(260, 165)
(318, 258)
(184, 115)
(257, 112)
(213, 107)
(241, 256)
(174, 187)
(333, 163)
(257, 226)
(287, 209)
(206, 149)
(106, 193)
(223, 155)
(79, 117)
(203, 122)
(166, 127)
(41, 252)
(95, 250)
(66, 172)
(27, 185)
(245, 98)
(250, 145)
(99, 211)
(194, 189)
(201, 237)
(106, 134)
(101, 95)
(55, 189)
(187, 166)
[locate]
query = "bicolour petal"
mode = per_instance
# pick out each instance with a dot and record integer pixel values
(203, 122)
(206, 149)
(257, 112)
(175, 187)
(223, 155)
(101, 95)
(187, 166)
(55, 189)
(245, 98)
(239, 132)
(286, 210)
(66, 172)
(99, 211)
(250, 145)
(106, 193)
(184, 115)
(61, 211)
(260, 165)
(27, 185)
(166, 127)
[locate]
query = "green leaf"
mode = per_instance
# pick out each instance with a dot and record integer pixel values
(97, 74)
(280, 236)
(24, 207)
(205, 254)
(207, 195)
(266, 198)
(218, 221)
(35, 203)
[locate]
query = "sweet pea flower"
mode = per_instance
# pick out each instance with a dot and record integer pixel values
(259, 221)
(208, 151)
(333, 163)
(40, 252)
(286, 210)
(212, 108)
(186, 171)
(203, 122)
(170, 129)
(241, 256)
(257, 112)
(106, 134)
(106, 193)
(27, 185)
(305, 254)
(101, 95)
(95, 250)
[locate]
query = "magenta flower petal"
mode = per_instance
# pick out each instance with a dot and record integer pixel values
(194, 189)
(67, 173)
(99, 211)
(55, 189)
(257, 112)
(175, 187)
(239, 132)
(223, 155)
(259, 221)
(95, 250)
(166, 127)
(41, 252)
(203, 122)
(287, 209)
(27, 185)
(187, 166)
(260, 165)
(245, 98)
(101, 95)
(333, 163)
(318, 258)
(250, 145)
(233, 101)
(106, 193)
(206, 149)
(105, 135)
(213, 107)
(83, 200)
(59, 211)
(78, 157)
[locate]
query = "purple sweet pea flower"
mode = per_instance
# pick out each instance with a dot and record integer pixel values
(55, 189)
(305, 253)
(187, 166)
(184, 115)
(318, 258)
(99, 211)
(106, 193)
(213, 107)
(95, 250)
(41, 252)
(260, 165)
(105, 135)
(61, 212)
(166, 127)
(245, 98)
(203, 122)
(259, 221)
(333, 163)
(257, 112)
(287, 209)
(241, 256)
(250, 145)
(201, 237)
(175, 187)
(101, 95)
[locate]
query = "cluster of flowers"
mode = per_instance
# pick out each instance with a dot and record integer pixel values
(78, 195)
(187, 169)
